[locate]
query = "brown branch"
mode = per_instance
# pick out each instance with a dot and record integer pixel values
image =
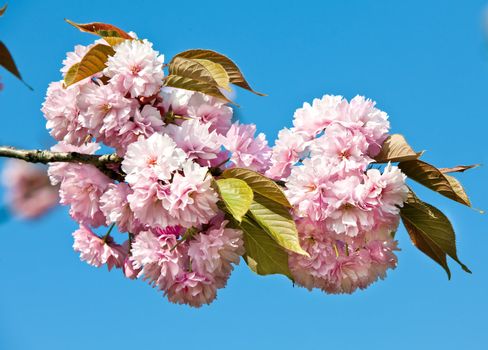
(45, 157)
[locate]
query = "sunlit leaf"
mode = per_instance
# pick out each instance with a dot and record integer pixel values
(200, 70)
(7, 62)
(276, 220)
(396, 149)
(458, 169)
(235, 75)
(431, 232)
(218, 73)
(263, 255)
(236, 195)
(458, 189)
(92, 63)
(259, 184)
(110, 33)
(433, 178)
(186, 83)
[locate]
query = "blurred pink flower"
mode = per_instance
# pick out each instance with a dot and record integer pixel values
(29, 193)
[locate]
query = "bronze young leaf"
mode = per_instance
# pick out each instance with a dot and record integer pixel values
(112, 34)
(431, 232)
(431, 177)
(235, 75)
(92, 63)
(396, 149)
(7, 62)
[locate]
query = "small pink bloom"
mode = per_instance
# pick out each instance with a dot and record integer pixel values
(115, 207)
(62, 113)
(345, 150)
(192, 289)
(156, 156)
(313, 119)
(97, 251)
(247, 151)
(209, 110)
(289, 148)
(308, 189)
(136, 68)
(193, 201)
(196, 140)
(81, 188)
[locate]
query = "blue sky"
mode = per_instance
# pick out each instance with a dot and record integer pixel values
(425, 63)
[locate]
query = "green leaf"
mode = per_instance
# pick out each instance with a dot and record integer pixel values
(110, 33)
(93, 62)
(396, 149)
(235, 75)
(431, 232)
(277, 221)
(236, 195)
(186, 83)
(433, 178)
(3, 9)
(259, 183)
(263, 255)
(7, 62)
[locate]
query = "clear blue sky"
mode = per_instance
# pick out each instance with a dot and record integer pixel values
(425, 62)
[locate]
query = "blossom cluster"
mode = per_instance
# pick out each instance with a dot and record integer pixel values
(169, 139)
(346, 210)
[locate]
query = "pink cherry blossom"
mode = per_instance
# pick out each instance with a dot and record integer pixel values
(192, 289)
(346, 214)
(313, 119)
(362, 115)
(345, 150)
(289, 148)
(211, 111)
(156, 156)
(157, 257)
(308, 188)
(193, 201)
(196, 140)
(136, 68)
(385, 192)
(150, 201)
(81, 189)
(247, 151)
(143, 123)
(340, 265)
(103, 110)
(97, 251)
(213, 251)
(115, 206)
(62, 113)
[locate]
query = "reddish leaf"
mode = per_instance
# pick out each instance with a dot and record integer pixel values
(7, 61)
(112, 34)
(3, 9)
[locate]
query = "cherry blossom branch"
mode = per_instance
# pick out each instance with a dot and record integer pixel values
(45, 157)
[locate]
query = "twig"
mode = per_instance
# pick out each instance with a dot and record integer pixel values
(45, 157)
